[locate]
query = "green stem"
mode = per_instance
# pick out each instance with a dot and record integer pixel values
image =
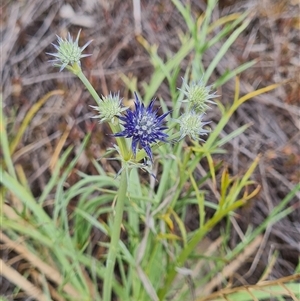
(5, 146)
(115, 236)
(190, 247)
(78, 72)
(75, 69)
(125, 153)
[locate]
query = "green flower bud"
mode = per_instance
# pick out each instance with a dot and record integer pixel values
(109, 107)
(191, 125)
(198, 95)
(69, 52)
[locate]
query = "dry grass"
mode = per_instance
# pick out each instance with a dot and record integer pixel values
(273, 38)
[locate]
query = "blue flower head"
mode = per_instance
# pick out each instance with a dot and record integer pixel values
(144, 126)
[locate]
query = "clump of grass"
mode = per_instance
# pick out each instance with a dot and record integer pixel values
(157, 259)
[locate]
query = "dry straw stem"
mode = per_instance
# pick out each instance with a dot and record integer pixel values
(59, 147)
(45, 269)
(231, 268)
(207, 248)
(264, 286)
(20, 281)
(29, 117)
(147, 284)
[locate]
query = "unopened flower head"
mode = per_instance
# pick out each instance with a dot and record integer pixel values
(198, 95)
(191, 125)
(109, 107)
(68, 51)
(144, 126)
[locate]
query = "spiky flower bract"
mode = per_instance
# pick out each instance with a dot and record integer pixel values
(69, 52)
(198, 95)
(109, 107)
(144, 126)
(191, 125)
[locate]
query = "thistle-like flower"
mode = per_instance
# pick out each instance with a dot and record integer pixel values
(68, 51)
(143, 126)
(198, 95)
(191, 125)
(109, 107)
